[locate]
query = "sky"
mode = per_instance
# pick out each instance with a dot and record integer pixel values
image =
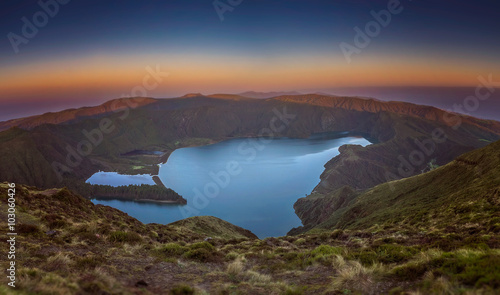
(56, 54)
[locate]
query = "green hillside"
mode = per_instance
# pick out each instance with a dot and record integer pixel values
(462, 196)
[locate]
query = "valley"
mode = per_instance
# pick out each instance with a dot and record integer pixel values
(401, 212)
(398, 130)
(433, 233)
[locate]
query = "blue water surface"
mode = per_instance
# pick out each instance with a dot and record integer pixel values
(250, 182)
(116, 179)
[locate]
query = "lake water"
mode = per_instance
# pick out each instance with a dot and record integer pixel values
(115, 179)
(252, 183)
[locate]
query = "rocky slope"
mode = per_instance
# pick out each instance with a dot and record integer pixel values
(67, 245)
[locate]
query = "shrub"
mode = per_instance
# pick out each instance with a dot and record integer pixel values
(324, 236)
(336, 234)
(387, 253)
(365, 256)
(103, 229)
(354, 276)
(173, 249)
(326, 250)
(64, 195)
(473, 268)
(281, 250)
(51, 217)
(27, 229)
(410, 271)
(300, 241)
(396, 291)
(295, 291)
(236, 267)
(122, 237)
(418, 266)
(89, 237)
(202, 245)
(90, 262)
(256, 277)
(290, 256)
(231, 255)
(59, 261)
(57, 224)
(392, 253)
(322, 254)
(182, 290)
(202, 255)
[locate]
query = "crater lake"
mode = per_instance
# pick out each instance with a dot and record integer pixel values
(250, 182)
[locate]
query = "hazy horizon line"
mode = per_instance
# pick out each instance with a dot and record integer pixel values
(55, 106)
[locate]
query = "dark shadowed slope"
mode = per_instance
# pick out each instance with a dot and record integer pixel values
(76, 114)
(397, 107)
(461, 196)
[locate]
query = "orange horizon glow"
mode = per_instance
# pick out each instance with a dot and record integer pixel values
(230, 74)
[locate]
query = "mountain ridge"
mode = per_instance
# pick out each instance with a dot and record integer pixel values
(472, 180)
(265, 95)
(332, 101)
(166, 125)
(75, 113)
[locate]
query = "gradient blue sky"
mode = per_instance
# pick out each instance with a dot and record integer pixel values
(92, 51)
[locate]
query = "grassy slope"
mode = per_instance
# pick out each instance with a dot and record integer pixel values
(460, 196)
(100, 250)
(213, 226)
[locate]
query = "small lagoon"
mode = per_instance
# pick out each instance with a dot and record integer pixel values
(116, 179)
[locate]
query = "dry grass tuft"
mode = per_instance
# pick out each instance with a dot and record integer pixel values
(58, 261)
(235, 268)
(352, 275)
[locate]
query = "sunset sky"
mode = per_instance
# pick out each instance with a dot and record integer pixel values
(93, 51)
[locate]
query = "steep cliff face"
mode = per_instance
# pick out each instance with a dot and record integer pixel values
(317, 208)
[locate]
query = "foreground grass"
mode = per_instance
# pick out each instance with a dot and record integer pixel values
(67, 245)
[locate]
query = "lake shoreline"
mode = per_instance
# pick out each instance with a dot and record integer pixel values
(162, 159)
(171, 202)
